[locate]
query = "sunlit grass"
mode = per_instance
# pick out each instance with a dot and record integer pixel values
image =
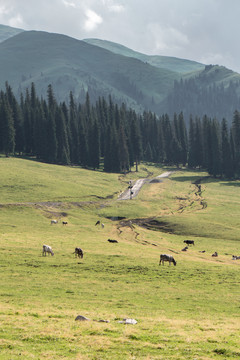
(190, 311)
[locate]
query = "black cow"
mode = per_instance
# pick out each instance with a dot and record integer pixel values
(78, 252)
(189, 242)
(112, 241)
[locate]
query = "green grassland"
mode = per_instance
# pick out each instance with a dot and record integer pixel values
(190, 311)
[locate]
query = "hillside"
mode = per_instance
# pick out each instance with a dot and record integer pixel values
(181, 66)
(70, 64)
(182, 311)
(8, 31)
(158, 83)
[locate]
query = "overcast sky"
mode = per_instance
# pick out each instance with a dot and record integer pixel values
(202, 30)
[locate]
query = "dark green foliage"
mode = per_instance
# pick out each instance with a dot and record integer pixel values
(7, 130)
(63, 155)
(227, 158)
(82, 134)
(236, 141)
(205, 92)
(135, 138)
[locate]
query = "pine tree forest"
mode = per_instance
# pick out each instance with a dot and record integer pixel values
(114, 137)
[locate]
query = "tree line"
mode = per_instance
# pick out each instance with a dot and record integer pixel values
(88, 134)
(196, 96)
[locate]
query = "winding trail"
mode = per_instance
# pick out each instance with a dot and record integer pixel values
(131, 193)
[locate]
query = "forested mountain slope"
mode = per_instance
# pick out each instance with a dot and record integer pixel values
(165, 62)
(70, 64)
(142, 82)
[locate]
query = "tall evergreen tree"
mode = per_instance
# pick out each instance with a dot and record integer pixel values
(63, 154)
(73, 131)
(7, 131)
(123, 150)
(136, 139)
(192, 161)
(236, 141)
(94, 144)
(215, 170)
(227, 160)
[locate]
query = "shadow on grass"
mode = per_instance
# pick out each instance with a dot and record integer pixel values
(194, 178)
(235, 183)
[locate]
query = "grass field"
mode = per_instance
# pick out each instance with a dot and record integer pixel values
(190, 311)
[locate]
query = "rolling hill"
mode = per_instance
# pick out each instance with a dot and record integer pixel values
(7, 31)
(70, 64)
(187, 311)
(181, 66)
(158, 83)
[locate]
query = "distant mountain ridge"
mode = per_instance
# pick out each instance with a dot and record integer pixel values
(158, 83)
(166, 62)
(7, 31)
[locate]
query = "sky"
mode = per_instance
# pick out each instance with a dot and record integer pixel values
(202, 30)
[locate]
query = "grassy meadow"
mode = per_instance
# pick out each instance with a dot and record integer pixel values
(187, 311)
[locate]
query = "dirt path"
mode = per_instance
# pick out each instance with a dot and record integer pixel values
(131, 193)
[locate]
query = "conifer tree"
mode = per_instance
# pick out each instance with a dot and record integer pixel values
(227, 160)
(63, 154)
(17, 119)
(236, 141)
(123, 150)
(192, 146)
(52, 145)
(215, 169)
(94, 145)
(167, 134)
(73, 131)
(183, 140)
(83, 144)
(7, 130)
(136, 139)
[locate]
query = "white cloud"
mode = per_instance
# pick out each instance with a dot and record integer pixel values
(16, 21)
(112, 6)
(92, 21)
(167, 38)
(3, 10)
(216, 58)
(116, 8)
(68, 3)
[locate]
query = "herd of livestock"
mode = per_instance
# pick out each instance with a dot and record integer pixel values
(163, 257)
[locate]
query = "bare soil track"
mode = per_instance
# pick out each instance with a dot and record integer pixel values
(134, 190)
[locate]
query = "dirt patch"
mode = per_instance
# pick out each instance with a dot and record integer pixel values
(159, 225)
(152, 224)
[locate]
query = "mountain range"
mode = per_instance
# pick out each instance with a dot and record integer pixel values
(158, 83)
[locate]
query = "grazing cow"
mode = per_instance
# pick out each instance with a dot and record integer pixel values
(112, 241)
(189, 242)
(102, 225)
(97, 223)
(47, 249)
(185, 249)
(169, 258)
(203, 251)
(54, 222)
(234, 257)
(64, 222)
(215, 254)
(78, 253)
